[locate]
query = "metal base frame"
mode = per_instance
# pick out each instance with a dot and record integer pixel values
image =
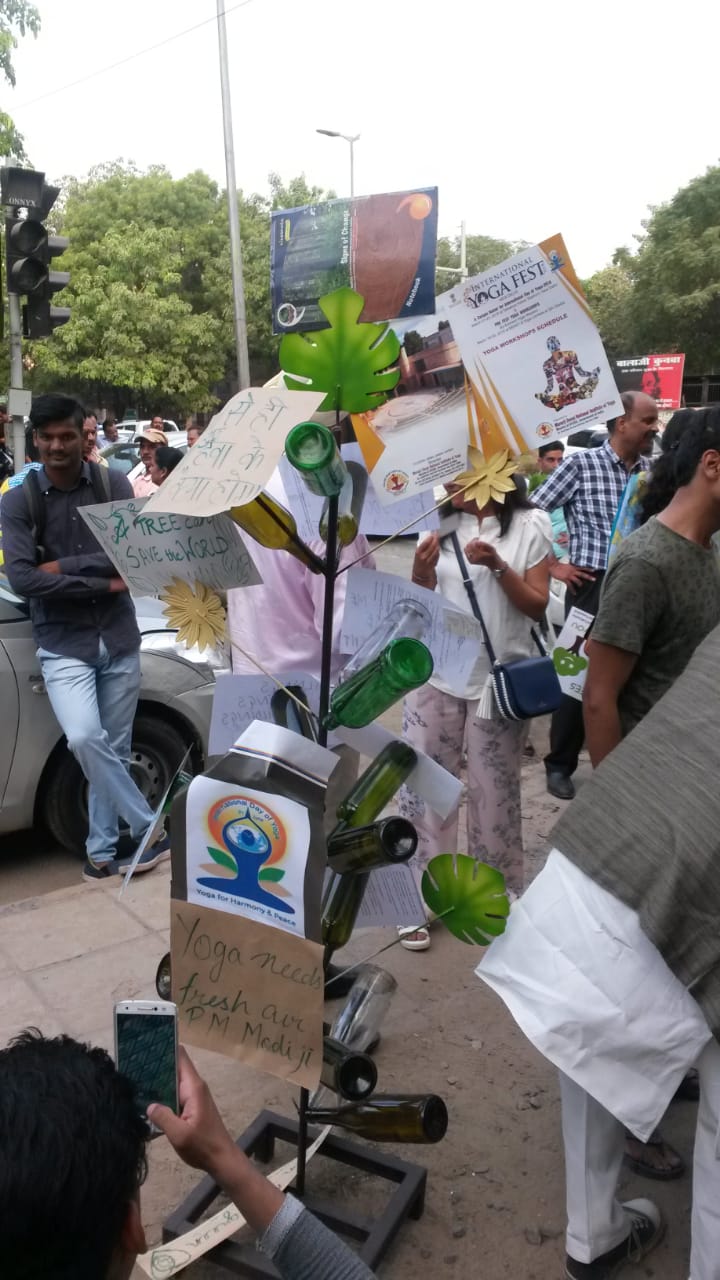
(407, 1200)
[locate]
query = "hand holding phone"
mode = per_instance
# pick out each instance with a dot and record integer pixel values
(197, 1133)
(146, 1050)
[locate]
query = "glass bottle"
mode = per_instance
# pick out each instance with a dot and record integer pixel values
(312, 450)
(376, 786)
(273, 526)
(383, 844)
(346, 1071)
(403, 665)
(389, 1117)
(359, 1021)
(407, 618)
(341, 902)
(350, 505)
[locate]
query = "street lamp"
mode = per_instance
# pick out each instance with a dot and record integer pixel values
(351, 139)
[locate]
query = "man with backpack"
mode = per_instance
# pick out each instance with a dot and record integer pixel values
(84, 624)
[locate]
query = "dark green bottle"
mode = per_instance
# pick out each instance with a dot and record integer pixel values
(383, 844)
(403, 665)
(347, 1071)
(390, 1117)
(376, 786)
(273, 526)
(350, 505)
(312, 450)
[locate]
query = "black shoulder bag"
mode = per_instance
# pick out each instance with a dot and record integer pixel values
(523, 687)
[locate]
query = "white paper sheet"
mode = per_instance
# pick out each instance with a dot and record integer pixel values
(568, 654)
(370, 596)
(235, 457)
(149, 549)
(391, 898)
(435, 785)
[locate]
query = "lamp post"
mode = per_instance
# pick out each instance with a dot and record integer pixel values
(351, 139)
(238, 291)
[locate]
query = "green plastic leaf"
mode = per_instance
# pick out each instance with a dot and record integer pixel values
(567, 663)
(472, 894)
(350, 361)
(271, 873)
(223, 859)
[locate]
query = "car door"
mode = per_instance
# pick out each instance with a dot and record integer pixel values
(10, 620)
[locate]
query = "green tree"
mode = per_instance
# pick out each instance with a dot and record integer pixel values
(412, 342)
(610, 294)
(676, 273)
(483, 252)
(17, 17)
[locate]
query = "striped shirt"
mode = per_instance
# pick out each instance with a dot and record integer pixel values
(589, 486)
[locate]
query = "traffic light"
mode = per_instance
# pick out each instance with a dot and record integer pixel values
(30, 250)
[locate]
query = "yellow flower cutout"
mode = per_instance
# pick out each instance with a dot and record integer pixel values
(489, 478)
(197, 613)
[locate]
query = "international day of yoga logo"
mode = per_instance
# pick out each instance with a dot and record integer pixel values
(248, 844)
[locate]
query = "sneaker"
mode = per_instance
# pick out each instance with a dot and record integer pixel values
(99, 870)
(647, 1228)
(155, 854)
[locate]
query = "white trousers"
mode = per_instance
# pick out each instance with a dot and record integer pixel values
(594, 1145)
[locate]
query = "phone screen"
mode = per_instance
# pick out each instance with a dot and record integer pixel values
(146, 1053)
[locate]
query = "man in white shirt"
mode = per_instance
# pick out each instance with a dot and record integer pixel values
(149, 439)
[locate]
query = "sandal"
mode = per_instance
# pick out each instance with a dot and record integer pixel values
(414, 939)
(648, 1170)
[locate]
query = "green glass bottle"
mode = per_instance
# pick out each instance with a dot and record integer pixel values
(341, 902)
(312, 450)
(383, 844)
(273, 526)
(350, 505)
(390, 1117)
(376, 786)
(347, 1071)
(403, 665)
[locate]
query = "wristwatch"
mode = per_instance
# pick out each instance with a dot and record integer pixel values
(498, 573)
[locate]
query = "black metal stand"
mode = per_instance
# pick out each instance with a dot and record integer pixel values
(375, 1232)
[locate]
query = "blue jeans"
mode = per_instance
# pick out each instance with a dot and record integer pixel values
(95, 705)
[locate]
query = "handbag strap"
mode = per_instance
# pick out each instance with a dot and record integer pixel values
(474, 605)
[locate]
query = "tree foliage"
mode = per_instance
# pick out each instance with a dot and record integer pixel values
(150, 290)
(610, 293)
(483, 252)
(17, 17)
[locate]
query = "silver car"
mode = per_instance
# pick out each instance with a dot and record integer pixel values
(40, 781)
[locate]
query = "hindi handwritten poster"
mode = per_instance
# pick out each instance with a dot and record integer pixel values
(149, 549)
(371, 595)
(249, 991)
(536, 363)
(237, 453)
(569, 654)
(414, 442)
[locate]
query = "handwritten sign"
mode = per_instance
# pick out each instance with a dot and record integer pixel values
(371, 595)
(235, 457)
(149, 549)
(240, 699)
(249, 991)
(168, 1259)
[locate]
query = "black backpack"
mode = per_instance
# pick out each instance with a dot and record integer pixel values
(99, 479)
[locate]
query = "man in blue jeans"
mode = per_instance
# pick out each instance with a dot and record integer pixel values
(84, 625)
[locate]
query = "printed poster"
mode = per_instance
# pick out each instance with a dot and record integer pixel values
(383, 246)
(658, 376)
(414, 442)
(569, 654)
(535, 360)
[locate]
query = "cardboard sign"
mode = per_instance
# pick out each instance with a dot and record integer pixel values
(569, 657)
(150, 549)
(235, 457)
(249, 991)
(371, 595)
(534, 357)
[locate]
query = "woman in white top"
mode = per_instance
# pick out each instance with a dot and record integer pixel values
(506, 546)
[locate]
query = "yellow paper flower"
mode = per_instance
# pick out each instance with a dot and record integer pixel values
(489, 478)
(197, 613)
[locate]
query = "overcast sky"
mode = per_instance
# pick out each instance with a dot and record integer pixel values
(530, 118)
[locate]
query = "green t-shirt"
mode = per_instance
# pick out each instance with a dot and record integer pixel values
(660, 599)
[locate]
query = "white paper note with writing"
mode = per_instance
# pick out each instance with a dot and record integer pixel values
(240, 699)
(370, 596)
(168, 1259)
(391, 898)
(149, 549)
(375, 520)
(237, 453)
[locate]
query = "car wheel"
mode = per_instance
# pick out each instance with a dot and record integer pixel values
(158, 749)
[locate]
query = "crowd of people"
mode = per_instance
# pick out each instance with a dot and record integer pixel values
(611, 959)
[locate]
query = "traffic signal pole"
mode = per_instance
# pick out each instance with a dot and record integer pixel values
(16, 379)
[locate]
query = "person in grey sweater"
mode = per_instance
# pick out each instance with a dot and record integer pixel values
(72, 1159)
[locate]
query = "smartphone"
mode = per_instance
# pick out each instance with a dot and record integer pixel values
(146, 1050)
